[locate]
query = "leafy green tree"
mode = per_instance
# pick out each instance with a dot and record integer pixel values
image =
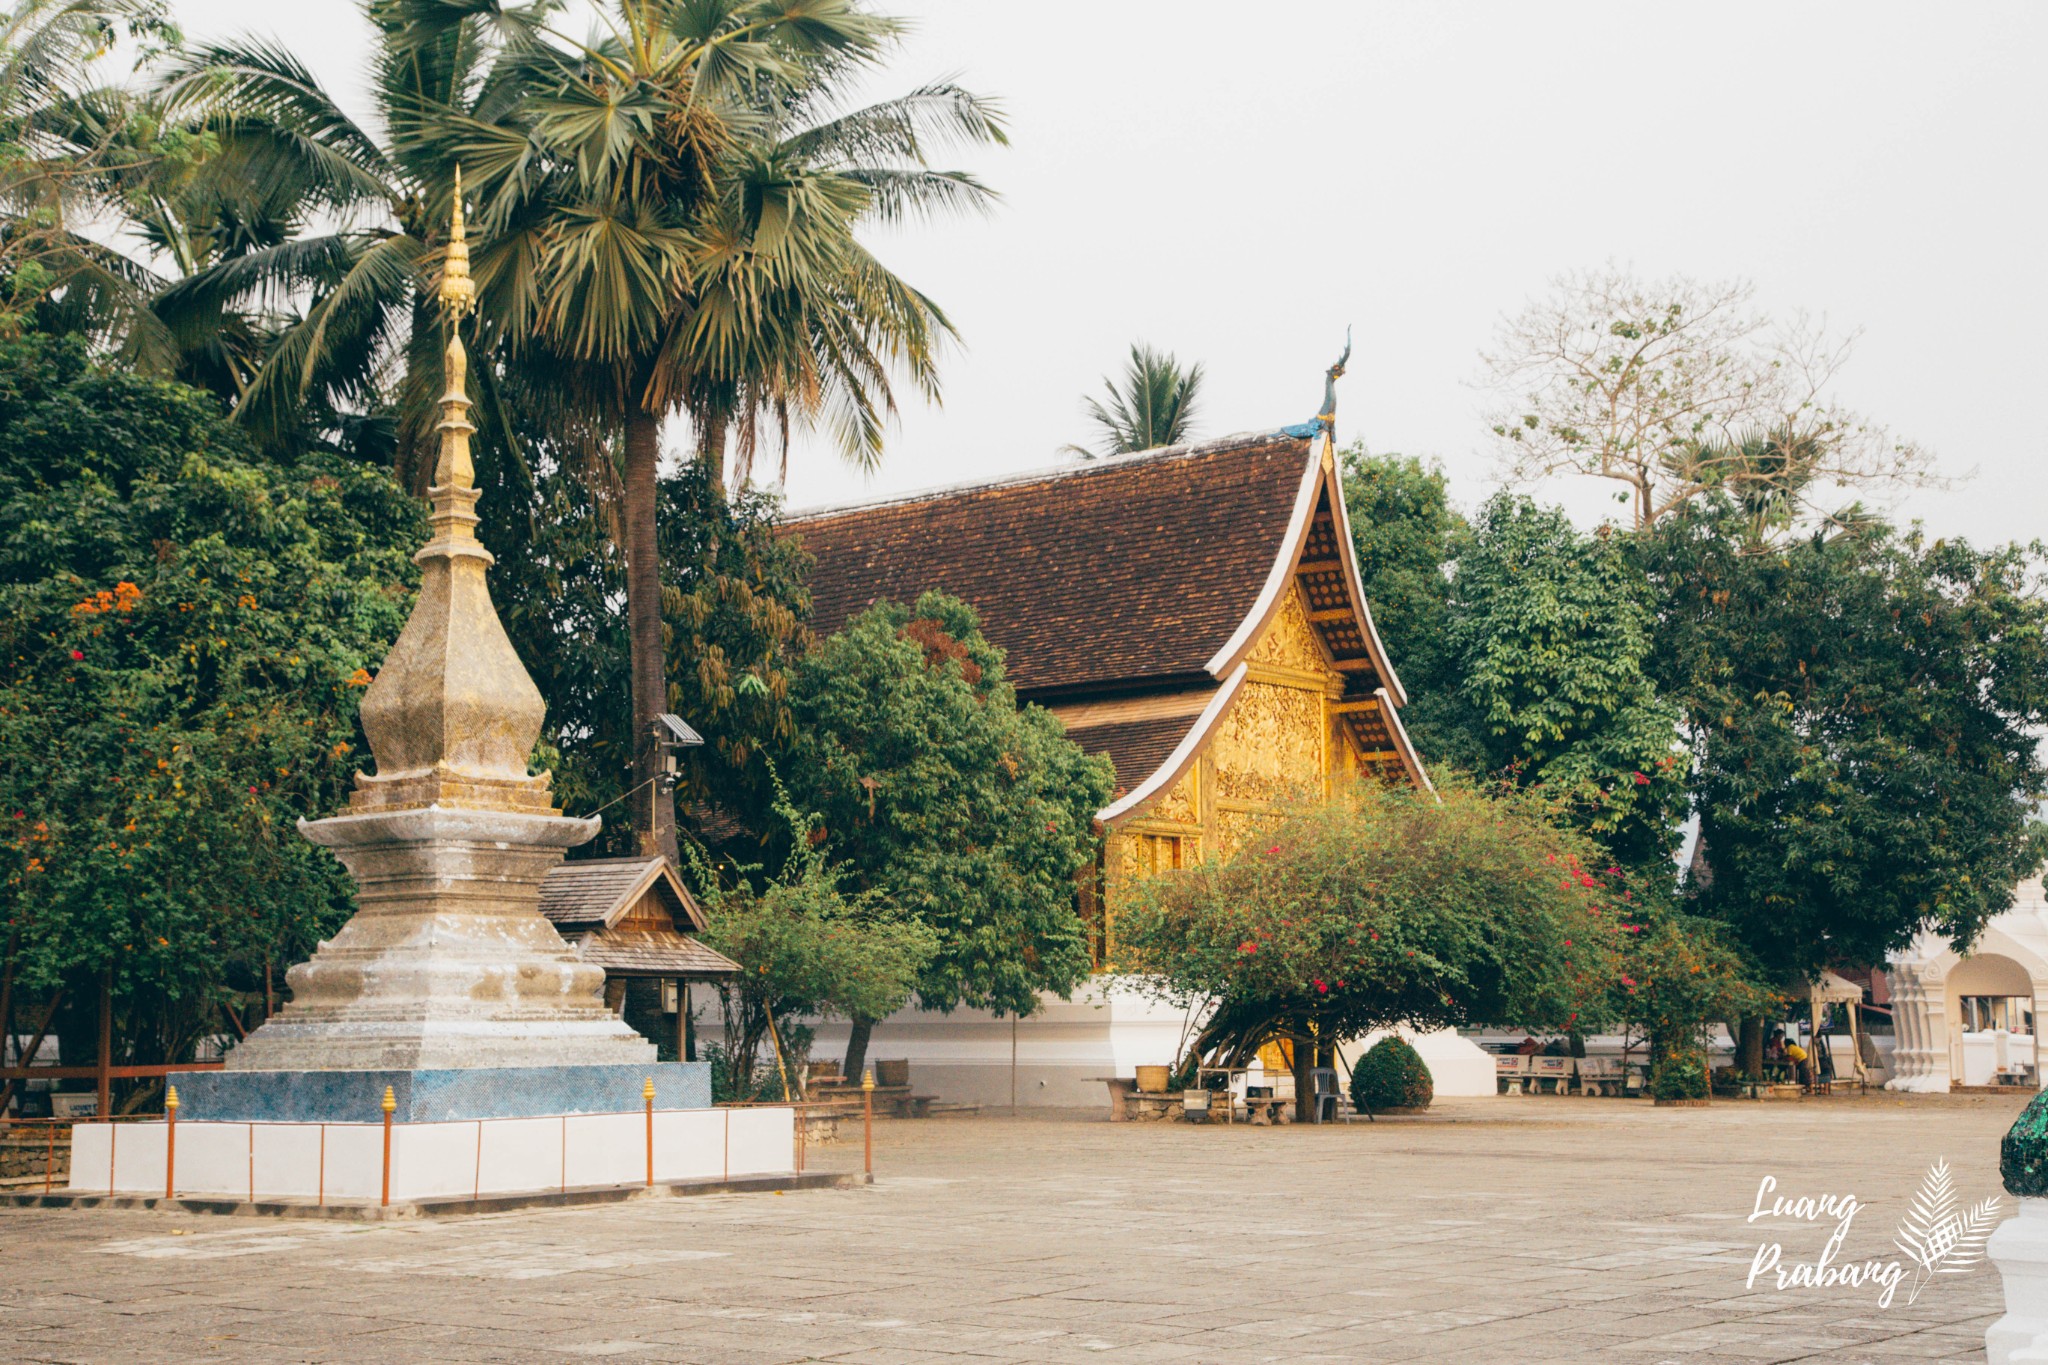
(1864, 712)
(805, 946)
(733, 607)
(1381, 907)
(185, 633)
(1552, 630)
(949, 802)
(1152, 405)
(1407, 539)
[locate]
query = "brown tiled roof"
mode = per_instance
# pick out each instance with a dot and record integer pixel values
(592, 892)
(1137, 747)
(1112, 572)
(658, 952)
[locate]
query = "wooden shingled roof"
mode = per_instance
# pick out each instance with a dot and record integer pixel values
(1105, 574)
(592, 893)
(626, 915)
(1127, 593)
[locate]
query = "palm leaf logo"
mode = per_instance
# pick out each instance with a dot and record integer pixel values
(1940, 1236)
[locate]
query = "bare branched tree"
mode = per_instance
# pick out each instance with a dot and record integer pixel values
(1677, 388)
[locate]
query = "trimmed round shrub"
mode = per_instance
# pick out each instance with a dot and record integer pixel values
(1391, 1076)
(1679, 1076)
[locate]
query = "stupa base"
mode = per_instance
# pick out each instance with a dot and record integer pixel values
(437, 1095)
(475, 1159)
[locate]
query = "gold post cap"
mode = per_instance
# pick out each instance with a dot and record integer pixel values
(647, 1090)
(170, 1097)
(867, 1078)
(390, 1100)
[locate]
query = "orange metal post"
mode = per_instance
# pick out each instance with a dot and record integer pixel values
(647, 1094)
(390, 1106)
(867, 1122)
(170, 1141)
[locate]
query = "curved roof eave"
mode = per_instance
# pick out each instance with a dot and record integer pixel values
(1184, 753)
(1318, 478)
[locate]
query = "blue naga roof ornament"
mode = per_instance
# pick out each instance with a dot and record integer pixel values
(1324, 423)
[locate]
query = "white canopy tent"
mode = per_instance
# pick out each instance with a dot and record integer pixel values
(1833, 989)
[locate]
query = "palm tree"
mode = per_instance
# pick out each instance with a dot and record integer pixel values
(1155, 406)
(665, 224)
(78, 155)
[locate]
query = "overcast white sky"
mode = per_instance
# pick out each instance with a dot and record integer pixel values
(1236, 183)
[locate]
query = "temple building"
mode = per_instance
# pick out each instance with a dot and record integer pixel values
(1969, 1021)
(1195, 613)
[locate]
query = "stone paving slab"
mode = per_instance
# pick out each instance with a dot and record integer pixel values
(1520, 1229)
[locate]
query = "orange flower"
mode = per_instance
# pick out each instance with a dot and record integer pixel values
(359, 678)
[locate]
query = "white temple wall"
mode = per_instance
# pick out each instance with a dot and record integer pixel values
(1063, 1052)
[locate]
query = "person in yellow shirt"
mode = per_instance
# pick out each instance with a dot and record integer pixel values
(1796, 1055)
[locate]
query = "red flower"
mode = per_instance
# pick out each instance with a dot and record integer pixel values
(1274, 849)
(1375, 936)
(1322, 988)
(1614, 872)
(1641, 781)
(1567, 943)
(1248, 947)
(1628, 981)
(77, 654)
(1586, 879)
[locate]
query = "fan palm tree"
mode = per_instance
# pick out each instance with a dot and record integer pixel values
(1153, 406)
(665, 223)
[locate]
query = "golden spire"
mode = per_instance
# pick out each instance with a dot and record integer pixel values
(458, 295)
(453, 716)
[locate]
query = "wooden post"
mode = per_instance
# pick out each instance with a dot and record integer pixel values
(390, 1106)
(867, 1095)
(647, 1094)
(170, 1141)
(105, 1080)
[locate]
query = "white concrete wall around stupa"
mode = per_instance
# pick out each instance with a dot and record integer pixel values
(344, 1162)
(1931, 1051)
(1110, 1028)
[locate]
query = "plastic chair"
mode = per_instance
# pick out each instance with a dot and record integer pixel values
(1323, 1090)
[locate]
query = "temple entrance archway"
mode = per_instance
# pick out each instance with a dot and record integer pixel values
(1990, 1009)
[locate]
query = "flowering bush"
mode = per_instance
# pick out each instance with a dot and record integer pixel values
(1379, 907)
(180, 625)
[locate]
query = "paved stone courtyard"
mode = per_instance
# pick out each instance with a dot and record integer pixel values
(1493, 1231)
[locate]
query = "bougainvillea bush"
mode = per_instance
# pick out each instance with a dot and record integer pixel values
(1391, 1075)
(1380, 907)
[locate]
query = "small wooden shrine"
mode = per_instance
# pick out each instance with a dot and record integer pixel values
(634, 918)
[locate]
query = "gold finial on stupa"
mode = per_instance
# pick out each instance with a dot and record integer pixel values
(458, 291)
(458, 295)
